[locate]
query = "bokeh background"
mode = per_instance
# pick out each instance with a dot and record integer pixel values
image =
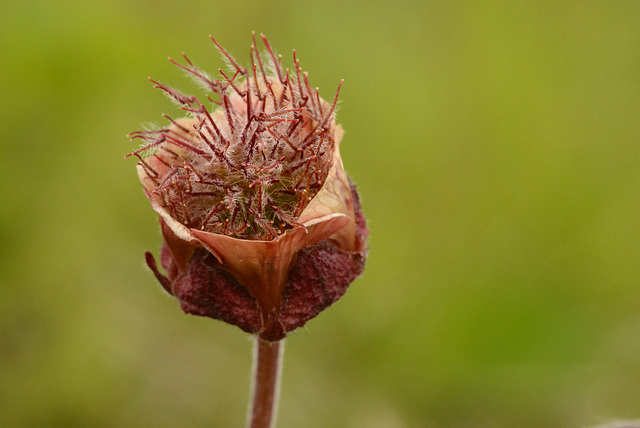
(495, 145)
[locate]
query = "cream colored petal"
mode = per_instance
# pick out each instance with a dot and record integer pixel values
(162, 168)
(158, 205)
(334, 197)
(180, 249)
(262, 266)
(178, 228)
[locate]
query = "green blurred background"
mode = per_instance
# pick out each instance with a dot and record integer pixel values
(495, 145)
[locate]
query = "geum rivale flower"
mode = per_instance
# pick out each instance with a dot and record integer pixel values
(262, 227)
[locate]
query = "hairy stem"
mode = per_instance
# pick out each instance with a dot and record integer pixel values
(267, 364)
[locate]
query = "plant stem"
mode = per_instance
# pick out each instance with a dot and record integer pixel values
(267, 365)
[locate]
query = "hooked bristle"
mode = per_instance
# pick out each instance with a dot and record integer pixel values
(248, 166)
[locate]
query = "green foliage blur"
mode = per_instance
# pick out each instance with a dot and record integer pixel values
(496, 149)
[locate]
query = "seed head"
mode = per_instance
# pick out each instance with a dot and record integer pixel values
(243, 187)
(250, 167)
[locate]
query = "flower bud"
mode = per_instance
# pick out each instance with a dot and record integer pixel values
(262, 227)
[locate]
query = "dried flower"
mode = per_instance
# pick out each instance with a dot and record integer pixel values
(262, 227)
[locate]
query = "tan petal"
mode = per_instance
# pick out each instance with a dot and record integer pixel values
(334, 197)
(158, 205)
(180, 249)
(262, 266)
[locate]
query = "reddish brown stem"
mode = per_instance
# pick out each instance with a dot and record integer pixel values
(267, 364)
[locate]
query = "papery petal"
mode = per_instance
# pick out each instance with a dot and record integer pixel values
(162, 167)
(158, 205)
(318, 276)
(334, 197)
(180, 249)
(262, 266)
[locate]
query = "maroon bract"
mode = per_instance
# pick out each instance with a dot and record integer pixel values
(262, 227)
